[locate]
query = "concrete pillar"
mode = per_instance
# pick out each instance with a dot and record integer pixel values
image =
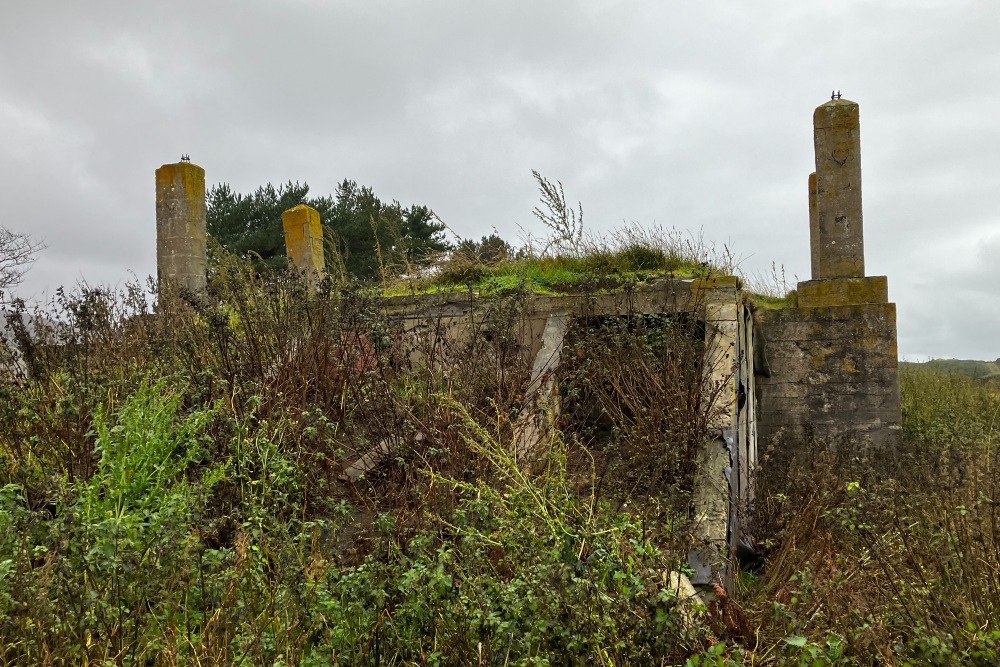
(714, 501)
(181, 252)
(814, 240)
(836, 132)
(304, 241)
(541, 397)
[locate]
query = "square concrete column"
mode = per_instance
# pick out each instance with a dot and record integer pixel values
(837, 136)
(304, 242)
(714, 502)
(181, 251)
(814, 240)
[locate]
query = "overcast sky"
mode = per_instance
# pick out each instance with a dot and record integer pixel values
(695, 115)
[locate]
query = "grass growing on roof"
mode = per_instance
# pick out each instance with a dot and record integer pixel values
(631, 255)
(773, 302)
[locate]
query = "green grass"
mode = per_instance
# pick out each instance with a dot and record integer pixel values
(771, 302)
(599, 269)
(629, 256)
(548, 276)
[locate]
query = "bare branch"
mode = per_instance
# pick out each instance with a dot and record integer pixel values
(17, 253)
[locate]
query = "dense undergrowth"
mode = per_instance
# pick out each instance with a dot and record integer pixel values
(173, 492)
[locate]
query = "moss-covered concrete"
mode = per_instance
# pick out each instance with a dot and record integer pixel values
(837, 138)
(832, 374)
(842, 291)
(181, 237)
(304, 241)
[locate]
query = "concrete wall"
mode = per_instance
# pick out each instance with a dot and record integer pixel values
(828, 373)
(437, 324)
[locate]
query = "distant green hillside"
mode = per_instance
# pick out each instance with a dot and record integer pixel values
(969, 367)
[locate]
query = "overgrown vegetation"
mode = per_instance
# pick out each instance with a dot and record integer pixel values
(627, 257)
(270, 475)
(173, 492)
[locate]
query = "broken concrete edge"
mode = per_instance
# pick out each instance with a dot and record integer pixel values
(541, 391)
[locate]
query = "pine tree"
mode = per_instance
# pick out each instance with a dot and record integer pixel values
(369, 235)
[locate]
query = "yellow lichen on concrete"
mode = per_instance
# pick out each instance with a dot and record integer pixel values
(820, 354)
(716, 282)
(304, 241)
(181, 254)
(843, 292)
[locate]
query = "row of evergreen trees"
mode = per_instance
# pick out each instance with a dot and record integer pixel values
(363, 234)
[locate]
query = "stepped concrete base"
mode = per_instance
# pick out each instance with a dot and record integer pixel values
(843, 291)
(833, 373)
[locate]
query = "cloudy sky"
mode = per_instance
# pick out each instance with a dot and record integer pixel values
(694, 115)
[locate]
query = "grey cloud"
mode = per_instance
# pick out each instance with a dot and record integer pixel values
(696, 115)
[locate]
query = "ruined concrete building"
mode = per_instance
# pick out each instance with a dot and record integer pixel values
(821, 371)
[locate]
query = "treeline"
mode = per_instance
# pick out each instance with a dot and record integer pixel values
(364, 235)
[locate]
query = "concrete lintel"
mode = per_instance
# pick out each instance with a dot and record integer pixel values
(661, 295)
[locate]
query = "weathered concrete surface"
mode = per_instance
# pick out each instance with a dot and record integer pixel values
(304, 241)
(837, 136)
(712, 508)
(690, 605)
(834, 374)
(181, 238)
(541, 397)
(723, 484)
(814, 239)
(842, 291)
(662, 295)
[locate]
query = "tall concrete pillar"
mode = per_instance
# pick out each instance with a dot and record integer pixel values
(814, 240)
(833, 368)
(837, 136)
(304, 241)
(181, 252)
